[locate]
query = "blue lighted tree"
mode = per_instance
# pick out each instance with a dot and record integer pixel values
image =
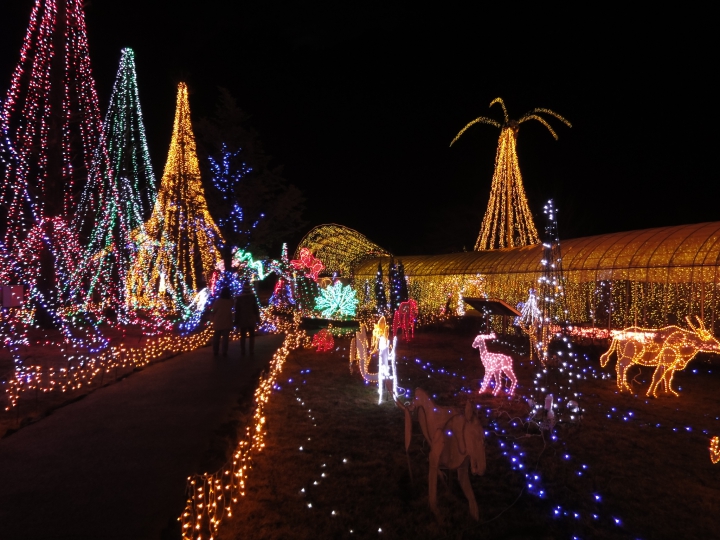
(228, 171)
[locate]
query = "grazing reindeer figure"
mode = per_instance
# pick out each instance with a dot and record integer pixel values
(457, 442)
(669, 349)
(405, 318)
(495, 365)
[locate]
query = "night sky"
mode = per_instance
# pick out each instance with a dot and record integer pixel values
(360, 102)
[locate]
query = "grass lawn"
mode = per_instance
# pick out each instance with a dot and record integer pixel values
(334, 465)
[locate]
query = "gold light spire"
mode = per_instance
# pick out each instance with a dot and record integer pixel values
(508, 221)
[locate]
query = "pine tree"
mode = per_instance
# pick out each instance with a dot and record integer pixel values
(125, 198)
(181, 247)
(52, 115)
(380, 296)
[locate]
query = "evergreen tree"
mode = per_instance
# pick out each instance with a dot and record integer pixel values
(51, 114)
(380, 296)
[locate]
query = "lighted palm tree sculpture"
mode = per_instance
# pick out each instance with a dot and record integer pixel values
(508, 221)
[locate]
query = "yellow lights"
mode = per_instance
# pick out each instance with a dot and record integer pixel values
(669, 349)
(715, 450)
(180, 252)
(340, 248)
(212, 496)
(508, 221)
(83, 369)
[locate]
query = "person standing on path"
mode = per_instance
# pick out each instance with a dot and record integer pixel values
(247, 315)
(222, 320)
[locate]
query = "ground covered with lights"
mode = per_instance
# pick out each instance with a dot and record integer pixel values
(334, 464)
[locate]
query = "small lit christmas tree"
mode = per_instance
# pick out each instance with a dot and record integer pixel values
(182, 238)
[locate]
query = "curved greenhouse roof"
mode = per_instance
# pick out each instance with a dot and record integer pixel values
(339, 248)
(680, 254)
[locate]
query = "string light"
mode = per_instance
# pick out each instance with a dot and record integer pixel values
(307, 263)
(323, 340)
(51, 113)
(715, 450)
(496, 365)
(181, 245)
(340, 248)
(212, 497)
(337, 301)
(669, 349)
(125, 198)
(508, 221)
(405, 319)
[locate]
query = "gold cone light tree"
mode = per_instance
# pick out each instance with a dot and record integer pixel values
(508, 221)
(180, 251)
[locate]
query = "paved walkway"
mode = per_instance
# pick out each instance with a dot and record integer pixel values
(114, 465)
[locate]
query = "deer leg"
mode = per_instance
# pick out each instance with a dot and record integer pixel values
(498, 381)
(464, 481)
(667, 379)
(657, 378)
(623, 363)
(485, 381)
(513, 380)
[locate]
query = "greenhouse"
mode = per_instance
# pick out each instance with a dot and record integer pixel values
(645, 277)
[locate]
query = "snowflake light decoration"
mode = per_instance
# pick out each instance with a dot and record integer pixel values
(337, 302)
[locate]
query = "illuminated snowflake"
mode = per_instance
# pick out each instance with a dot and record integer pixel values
(337, 302)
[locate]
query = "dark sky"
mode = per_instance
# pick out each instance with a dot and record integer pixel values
(359, 103)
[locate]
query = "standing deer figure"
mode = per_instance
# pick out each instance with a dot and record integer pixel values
(495, 365)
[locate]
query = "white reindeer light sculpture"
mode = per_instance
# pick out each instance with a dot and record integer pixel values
(495, 365)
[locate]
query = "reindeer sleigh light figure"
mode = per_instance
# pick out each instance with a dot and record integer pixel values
(669, 349)
(496, 365)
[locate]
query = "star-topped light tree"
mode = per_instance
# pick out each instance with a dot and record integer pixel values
(126, 199)
(508, 221)
(181, 233)
(51, 113)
